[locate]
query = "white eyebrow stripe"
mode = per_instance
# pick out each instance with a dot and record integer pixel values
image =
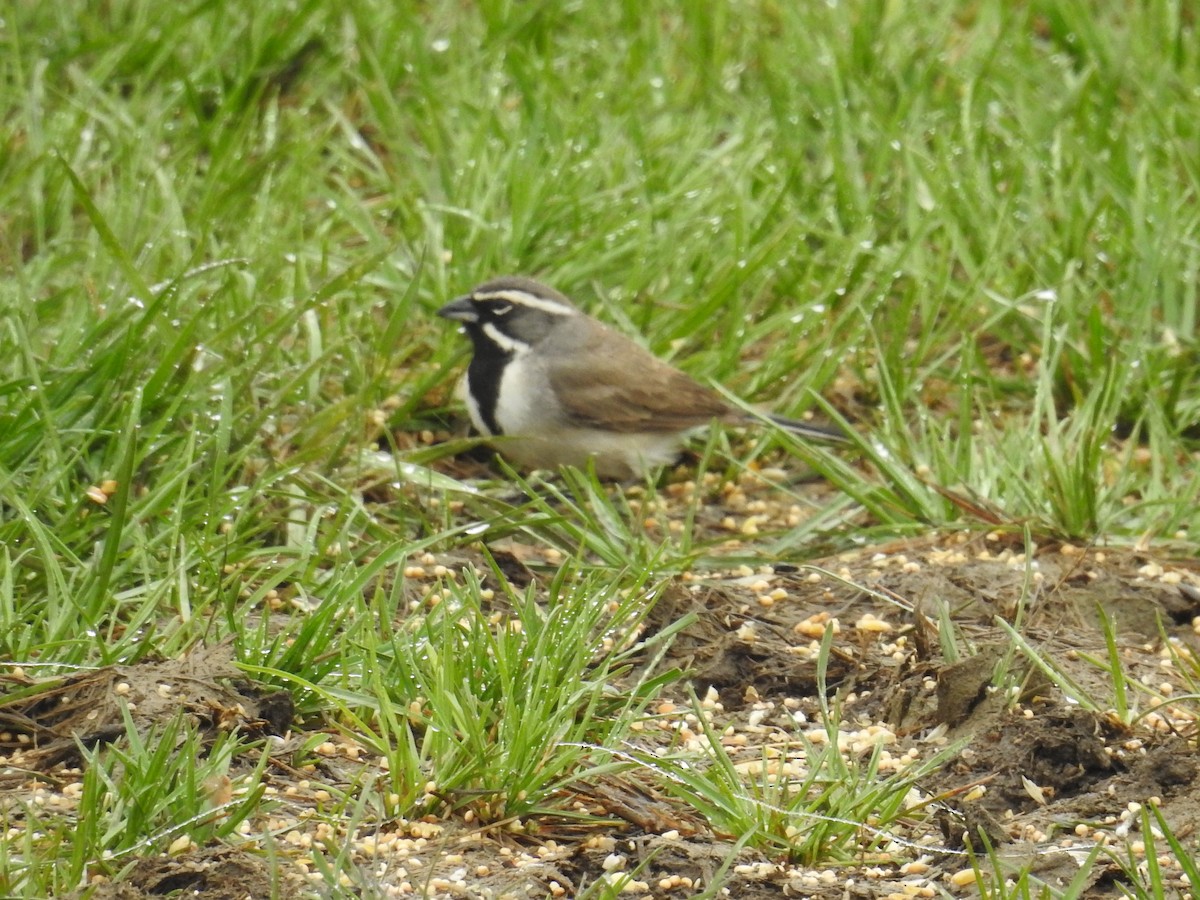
(524, 298)
(505, 342)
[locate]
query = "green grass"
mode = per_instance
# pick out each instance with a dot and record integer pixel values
(971, 228)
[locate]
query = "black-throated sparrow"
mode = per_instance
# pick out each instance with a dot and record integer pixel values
(555, 386)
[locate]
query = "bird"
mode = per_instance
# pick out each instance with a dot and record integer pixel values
(550, 386)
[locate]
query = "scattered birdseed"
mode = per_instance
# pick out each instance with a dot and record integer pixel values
(963, 878)
(613, 862)
(814, 626)
(869, 622)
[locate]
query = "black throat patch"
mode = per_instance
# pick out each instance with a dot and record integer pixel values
(483, 378)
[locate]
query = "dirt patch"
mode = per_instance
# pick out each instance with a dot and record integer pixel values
(218, 873)
(43, 722)
(1037, 769)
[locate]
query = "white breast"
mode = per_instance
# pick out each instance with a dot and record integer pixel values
(525, 404)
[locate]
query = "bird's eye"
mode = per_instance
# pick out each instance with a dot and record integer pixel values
(500, 309)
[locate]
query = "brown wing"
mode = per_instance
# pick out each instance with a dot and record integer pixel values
(613, 383)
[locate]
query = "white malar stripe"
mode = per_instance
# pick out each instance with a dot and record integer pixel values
(522, 404)
(464, 394)
(505, 342)
(524, 298)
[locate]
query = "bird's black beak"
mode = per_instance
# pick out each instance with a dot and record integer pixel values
(461, 309)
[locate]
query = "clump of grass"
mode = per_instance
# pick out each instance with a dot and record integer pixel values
(145, 793)
(493, 708)
(810, 804)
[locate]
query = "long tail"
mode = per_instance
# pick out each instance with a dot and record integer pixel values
(804, 429)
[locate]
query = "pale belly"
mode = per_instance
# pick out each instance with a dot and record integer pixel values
(618, 456)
